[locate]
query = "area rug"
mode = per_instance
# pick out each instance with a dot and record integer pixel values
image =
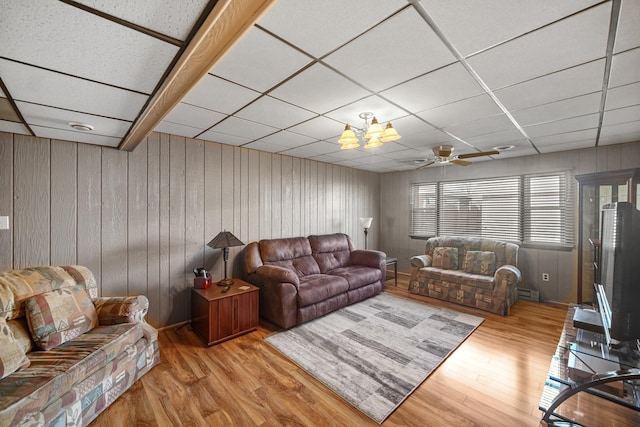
(376, 352)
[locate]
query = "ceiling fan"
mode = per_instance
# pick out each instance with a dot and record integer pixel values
(443, 154)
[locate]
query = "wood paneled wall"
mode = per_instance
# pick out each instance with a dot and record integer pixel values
(562, 265)
(141, 220)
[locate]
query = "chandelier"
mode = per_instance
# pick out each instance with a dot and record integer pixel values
(371, 132)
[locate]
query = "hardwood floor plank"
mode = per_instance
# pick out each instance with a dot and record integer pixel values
(494, 378)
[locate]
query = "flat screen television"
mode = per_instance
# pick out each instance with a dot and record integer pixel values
(618, 292)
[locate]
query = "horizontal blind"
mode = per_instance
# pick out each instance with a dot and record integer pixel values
(423, 210)
(549, 209)
(481, 208)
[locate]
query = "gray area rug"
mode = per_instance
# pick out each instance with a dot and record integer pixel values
(376, 352)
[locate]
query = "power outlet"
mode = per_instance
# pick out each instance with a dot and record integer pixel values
(4, 222)
(545, 277)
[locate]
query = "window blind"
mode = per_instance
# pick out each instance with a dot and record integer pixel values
(549, 209)
(481, 208)
(423, 210)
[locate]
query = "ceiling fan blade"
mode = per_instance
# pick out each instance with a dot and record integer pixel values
(460, 162)
(484, 153)
(426, 164)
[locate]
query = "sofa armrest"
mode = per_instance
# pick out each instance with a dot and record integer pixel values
(505, 278)
(115, 310)
(275, 274)
(420, 261)
(370, 258)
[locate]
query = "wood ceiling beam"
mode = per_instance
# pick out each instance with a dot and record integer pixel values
(228, 21)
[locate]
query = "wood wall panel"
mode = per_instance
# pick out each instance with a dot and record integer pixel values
(195, 202)
(90, 209)
(165, 294)
(213, 210)
(64, 158)
(6, 199)
(178, 286)
(153, 228)
(137, 231)
(32, 207)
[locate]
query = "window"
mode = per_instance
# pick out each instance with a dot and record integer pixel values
(423, 210)
(531, 209)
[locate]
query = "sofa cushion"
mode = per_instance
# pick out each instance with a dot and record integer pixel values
(445, 257)
(292, 253)
(319, 287)
(331, 251)
(12, 355)
(480, 262)
(357, 275)
(57, 316)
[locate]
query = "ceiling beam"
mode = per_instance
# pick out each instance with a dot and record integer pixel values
(228, 21)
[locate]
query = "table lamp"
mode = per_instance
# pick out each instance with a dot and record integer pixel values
(224, 240)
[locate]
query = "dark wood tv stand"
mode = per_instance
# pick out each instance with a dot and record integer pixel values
(584, 373)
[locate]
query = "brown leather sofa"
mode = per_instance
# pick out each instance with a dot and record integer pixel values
(301, 278)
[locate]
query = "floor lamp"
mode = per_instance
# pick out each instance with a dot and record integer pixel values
(366, 223)
(224, 240)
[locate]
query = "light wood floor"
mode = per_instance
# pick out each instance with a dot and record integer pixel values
(494, 378)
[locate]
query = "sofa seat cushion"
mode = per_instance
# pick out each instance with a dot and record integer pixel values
(456, 276)
(52, 373)
(319, 287)
(357, 275)
(479, 262)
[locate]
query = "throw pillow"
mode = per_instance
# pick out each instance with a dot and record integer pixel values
(445, 257)
(479, 262)
(60, 315)
(12, 356)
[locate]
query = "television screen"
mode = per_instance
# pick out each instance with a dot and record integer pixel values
(619, 288)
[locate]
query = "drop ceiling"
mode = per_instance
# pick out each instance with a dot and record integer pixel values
(540, 75)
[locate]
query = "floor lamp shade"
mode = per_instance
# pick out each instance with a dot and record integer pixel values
(224, 240)
(366, 223)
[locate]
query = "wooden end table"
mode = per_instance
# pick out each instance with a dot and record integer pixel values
(218, 316)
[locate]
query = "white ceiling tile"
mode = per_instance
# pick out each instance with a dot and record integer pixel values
(564, 138)
(628, 34)
(314, 149)
(484, 126)
(564, 84)
(517, 152)
(577, 145)
(13, 127)
(411, 125)
(621, 129)
(287, 139)
(379, 60)
(621, 115)
(572, 107)
(35, 85)
(216, 94)
(273, 112)
(243, 128)
(319, 128)
(75, 136)
(495, 139)
(82, 44)
(625, 68)
(426, 140)
(461, 111)
(623, 96)
(572, 41)
(223, 138)
(619, 138)
(326, 158)
(59, 119)
(195, 117)
(319, 89)
(384, 111)
(472, 26)
(590, 121)
(319, 27)
(260, 61)
(177, 129)
(263, 145)
(448, 84)
(174, 19)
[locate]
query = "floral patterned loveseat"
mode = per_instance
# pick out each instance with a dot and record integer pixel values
(471, 271)
(65, 353)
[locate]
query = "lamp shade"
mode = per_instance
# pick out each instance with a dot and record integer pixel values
(390, 134)
(350, 145)
(366, 222)
(373, 143)
(375, 130)
(348, 136)
(224, 239)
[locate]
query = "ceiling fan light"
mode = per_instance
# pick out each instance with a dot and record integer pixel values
(390, 134)
(348, 136)
(373, 143)
(375, 130)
